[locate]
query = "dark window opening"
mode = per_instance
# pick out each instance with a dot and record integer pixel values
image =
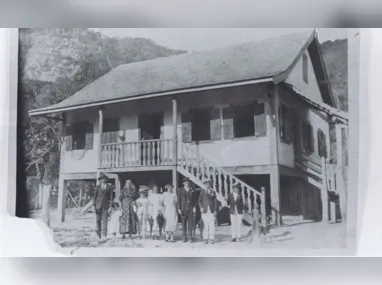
(305, 67)
(201, 130)
(307, 137)
(110, 132)
(322, 149)
(243, 121)
(79, 135)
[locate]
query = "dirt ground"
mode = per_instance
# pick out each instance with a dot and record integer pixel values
(78, 231)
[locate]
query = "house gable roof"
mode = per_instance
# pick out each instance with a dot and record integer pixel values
(260, 60)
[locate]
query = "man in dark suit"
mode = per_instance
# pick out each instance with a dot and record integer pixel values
(208, 206)
(102, 201)
(236, 208)
(187, 200)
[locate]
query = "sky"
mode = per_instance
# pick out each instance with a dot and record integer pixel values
(206, 39)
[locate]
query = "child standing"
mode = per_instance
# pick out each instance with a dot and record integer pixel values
(115, 215)
(142, 204)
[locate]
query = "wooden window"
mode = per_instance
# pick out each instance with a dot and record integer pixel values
(215, 124)
(110, 132)
(322, 148)
(307, 137)
(305, 67)
(228, 123)
(260, 120)
(201, 130)
(243, 121)
(186, 126)
(79, 136)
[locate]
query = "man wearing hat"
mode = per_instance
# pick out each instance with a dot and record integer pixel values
(102, 202)
(187, 201)
(236, 206)
(208, 206)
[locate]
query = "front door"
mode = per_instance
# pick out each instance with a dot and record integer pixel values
(151, 131)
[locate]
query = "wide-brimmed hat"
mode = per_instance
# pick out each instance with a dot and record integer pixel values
(103, 176)
(236, 185)
(168, 185)
(143, 188)
(115, 202)
(186, 180)
(207, 181)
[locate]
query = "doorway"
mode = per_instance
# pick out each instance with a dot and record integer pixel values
(151, 131)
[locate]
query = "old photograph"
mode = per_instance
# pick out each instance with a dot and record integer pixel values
(186, 138)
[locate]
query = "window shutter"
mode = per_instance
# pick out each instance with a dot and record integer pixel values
(215, 124)
(304, 136)
(289, 128)
(260, 120)
(228, 123)
(319, 138)
(311, 138)
(186, 127)
(322, 151)
(324, 146)
(282, 118)
(89, 136)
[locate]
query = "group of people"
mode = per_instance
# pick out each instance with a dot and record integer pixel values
(147, 211)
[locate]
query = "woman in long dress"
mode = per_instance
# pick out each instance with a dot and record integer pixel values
(170, 212)
(128, 218)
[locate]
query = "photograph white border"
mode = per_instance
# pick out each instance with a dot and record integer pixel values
(353, 197)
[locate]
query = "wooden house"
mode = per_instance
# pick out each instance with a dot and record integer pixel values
(257, 113)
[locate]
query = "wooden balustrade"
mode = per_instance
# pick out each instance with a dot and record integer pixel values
(222, 181)
(139, 153)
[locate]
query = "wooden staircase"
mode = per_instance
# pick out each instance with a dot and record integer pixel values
(197, 168)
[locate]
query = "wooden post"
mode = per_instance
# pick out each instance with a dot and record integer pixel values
(61, 199)
(263, 208)
(339, 173)
(80, 198)
(324, 192)
(99, 149)
(333, 214)
(273, 131)
(45, 205)
(275, 195)
(175, 144)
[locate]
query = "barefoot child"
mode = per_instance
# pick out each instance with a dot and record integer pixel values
(115, 215)
(142, 211)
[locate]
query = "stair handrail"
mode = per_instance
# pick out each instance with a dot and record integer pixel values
(256, 192)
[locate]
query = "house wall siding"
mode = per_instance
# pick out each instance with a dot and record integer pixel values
(317, 119)
(296, 79)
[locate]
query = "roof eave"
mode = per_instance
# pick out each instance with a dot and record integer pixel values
(282, 76)
(44, 111)
(333, 102)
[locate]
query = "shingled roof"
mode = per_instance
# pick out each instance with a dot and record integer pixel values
(265, 59)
